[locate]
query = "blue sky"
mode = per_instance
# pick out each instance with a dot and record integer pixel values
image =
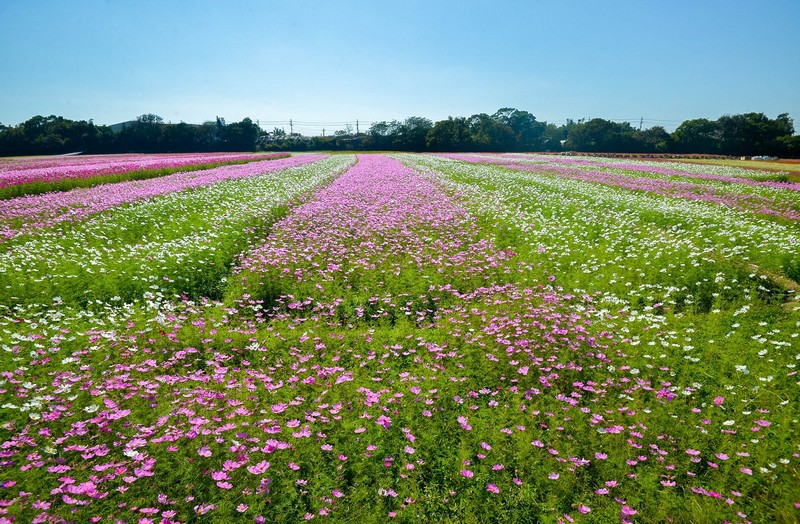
(332, 62)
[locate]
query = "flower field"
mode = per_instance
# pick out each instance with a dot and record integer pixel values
(409, 338)
(35, 175)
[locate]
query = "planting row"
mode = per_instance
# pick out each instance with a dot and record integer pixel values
(38, 169)
(27, 214)
(777, 199)
(181, 242)
(612, 239)
(75, 172)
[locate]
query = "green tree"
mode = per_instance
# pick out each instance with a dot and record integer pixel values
(753, 133)
(489, 134)
(240, 136)
(697, 136)
(412, 133)
(652, 140)
(528, 133)
(601, 136)
(452, 134)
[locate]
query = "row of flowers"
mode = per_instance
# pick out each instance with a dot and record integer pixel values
(778, 199)
(180, 242)
(27, 214)
(28, 170)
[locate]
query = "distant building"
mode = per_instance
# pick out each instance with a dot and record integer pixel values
(116, 128)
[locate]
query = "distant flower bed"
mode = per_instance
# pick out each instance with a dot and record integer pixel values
(23, 214)
(36, 175)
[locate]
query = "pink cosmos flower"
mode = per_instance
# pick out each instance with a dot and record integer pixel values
(258, 469)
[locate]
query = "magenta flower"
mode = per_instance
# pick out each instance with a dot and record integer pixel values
(626, 512)
(492, 488)
(258, 469)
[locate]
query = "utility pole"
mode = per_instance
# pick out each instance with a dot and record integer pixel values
(323, 132)
(641, 121)
(356, 125)
(291, 127)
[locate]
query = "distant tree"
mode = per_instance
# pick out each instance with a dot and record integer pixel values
(380, 135)
(143, 135)
(653, 140)
(790, 145)
(240, 136)
(149, 118)
(553, 137)
(753, 133)
(599, 135)
(181, 137)
(411, 134)
(697, 136)
(527, 131)
(452, 134)
(490, 134)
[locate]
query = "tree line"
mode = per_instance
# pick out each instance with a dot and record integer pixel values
(508, 129)
(52, 135)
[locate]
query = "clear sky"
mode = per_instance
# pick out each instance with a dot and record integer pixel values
(332, 62)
